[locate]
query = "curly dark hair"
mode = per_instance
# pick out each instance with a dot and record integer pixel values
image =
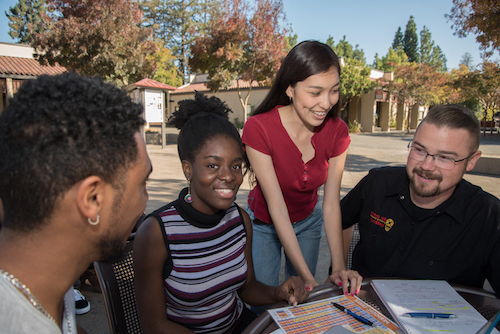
(200, 120)
(56, 131)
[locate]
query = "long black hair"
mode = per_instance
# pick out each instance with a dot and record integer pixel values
(305, 59)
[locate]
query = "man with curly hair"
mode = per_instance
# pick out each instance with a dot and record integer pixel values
(73, 169)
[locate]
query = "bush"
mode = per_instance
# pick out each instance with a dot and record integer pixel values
(238, 124)
(354, 126)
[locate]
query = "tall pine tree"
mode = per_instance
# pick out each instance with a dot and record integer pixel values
(398, 39)
(410, 41)
(426, 45)
(24, 19)
(176, 24)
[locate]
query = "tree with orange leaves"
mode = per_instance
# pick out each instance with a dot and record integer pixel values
(239, 47)
(479, 17)
(96, 37)
(416, 83)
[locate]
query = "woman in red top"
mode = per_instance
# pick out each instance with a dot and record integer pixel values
(295, 143)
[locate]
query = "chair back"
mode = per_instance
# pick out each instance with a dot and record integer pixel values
(117, 286)
(354, 242)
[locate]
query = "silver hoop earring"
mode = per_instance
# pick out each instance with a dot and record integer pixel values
(96, 222)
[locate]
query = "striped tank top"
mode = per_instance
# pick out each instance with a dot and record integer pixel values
(205, 268)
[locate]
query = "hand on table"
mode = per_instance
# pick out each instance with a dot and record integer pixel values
(310, 284)
(293, 290)
(349, 280)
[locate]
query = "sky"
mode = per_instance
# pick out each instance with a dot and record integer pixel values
(367, 23)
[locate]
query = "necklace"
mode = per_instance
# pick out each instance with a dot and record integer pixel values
(31, 297)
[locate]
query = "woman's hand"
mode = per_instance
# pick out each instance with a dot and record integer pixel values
(310, 284)
(349, 280)
(292, 290)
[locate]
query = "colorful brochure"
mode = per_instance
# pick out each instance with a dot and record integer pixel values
(318, 317)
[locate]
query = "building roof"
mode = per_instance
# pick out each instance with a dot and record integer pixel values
(149, 83)
(202, 87)
(16, 66)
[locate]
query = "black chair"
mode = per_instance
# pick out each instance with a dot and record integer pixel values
(354, 242)
(117, 285)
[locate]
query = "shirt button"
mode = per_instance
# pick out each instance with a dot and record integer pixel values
(401, 249)
(431, 263)
(402, 197)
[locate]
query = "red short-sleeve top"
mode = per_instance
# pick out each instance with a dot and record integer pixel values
(299, 181)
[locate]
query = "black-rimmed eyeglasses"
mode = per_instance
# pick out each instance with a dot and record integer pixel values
(440, 161)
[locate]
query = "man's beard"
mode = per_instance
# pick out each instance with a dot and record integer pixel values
(112, 248)
(423, 191)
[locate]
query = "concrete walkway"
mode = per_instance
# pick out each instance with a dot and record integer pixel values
(366, 151)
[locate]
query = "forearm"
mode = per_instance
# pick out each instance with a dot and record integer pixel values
(334, 237)
(288, 239)
(257, 294)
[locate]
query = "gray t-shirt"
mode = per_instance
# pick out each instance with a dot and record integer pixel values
(17, 315)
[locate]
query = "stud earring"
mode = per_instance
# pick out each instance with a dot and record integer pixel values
(96, 222)
(188, 198)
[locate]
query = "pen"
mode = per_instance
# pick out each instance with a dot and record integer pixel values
(429, 315)
(354, 315)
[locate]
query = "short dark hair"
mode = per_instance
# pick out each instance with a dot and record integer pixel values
(199, 120)
(305, 59)
(456, 116)
(55, 132)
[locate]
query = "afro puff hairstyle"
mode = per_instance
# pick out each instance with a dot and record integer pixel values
(200, 120)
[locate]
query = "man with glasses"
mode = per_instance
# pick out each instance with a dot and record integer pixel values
(424, 221)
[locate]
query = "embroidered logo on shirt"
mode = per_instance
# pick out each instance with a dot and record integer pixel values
(386, 223)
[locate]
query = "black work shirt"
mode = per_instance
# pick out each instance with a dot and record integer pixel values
(459, 241)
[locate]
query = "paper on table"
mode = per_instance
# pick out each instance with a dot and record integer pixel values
(402, 296)
(319, 316)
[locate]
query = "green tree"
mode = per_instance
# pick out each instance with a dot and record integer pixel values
(417, 83)
(426, 45)
(391, 60)
(479, 17)
(155, 16)
(438, 59)
(96, 37)
(238, 48)
(483, 85)
(410, 41)
(354, 80)
(291, 40)
(330, 41)
(430, 53)
(166, 71)
(467, 60)
(398, 39)
(345, 49)
(24, 19)
(177, 23)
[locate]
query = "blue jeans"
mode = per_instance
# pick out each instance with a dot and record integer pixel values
(266, 247)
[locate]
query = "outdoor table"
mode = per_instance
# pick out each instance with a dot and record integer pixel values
(483, 301)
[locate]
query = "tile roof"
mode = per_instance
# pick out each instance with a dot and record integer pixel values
(151, 84)
(202, 87)
(26, 67)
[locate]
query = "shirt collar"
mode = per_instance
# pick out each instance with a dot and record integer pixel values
(453, 206)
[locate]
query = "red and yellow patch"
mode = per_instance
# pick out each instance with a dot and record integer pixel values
(386, 223)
